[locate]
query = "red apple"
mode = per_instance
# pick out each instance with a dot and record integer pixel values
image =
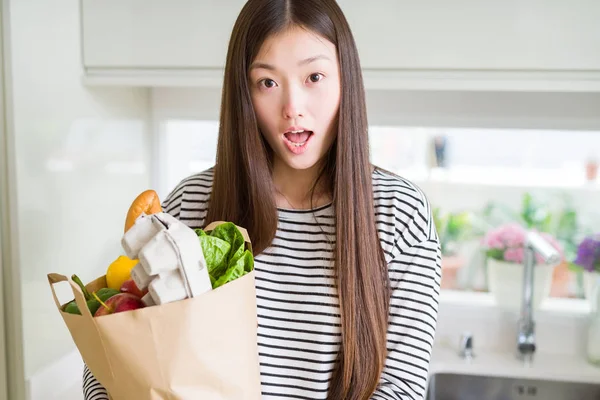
(129, 286)
(119, 303)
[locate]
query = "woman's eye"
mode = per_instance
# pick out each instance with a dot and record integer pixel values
(268, 83)
(314, 78)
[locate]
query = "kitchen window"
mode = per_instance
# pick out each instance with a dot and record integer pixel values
(463, 172)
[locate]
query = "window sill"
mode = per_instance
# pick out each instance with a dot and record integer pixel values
(562, 306)
(503, 177)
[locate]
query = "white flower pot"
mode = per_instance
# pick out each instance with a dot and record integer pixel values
(590, 280)
(592, 288)
(505, 282)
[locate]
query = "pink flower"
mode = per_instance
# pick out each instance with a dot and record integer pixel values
(510, 240)
(514, 254)
(494, 242)
(508, 235)
(514, 237)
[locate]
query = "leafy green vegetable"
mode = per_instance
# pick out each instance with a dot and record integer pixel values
(216, 252)
(225, 254)
(238, 268)
(232, 235)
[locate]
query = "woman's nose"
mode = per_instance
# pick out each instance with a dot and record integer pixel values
(293, 104)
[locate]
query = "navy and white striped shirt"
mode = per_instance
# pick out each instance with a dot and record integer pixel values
(299, 331)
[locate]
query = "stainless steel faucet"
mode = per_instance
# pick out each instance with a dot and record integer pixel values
(534, 244)
(465, 346)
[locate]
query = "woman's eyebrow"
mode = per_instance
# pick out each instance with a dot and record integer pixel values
(262, 65)
(313, 59)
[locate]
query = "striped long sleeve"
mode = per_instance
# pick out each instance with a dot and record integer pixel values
(92, 389)
(415, 275)
(413, 253)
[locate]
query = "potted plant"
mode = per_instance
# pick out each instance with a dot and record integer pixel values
(558, 218)
(588, 258)
(458, 233)
(505, 251)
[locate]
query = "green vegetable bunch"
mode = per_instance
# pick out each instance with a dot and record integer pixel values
(225, 254)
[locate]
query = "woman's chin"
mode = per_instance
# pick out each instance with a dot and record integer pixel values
(303, 162)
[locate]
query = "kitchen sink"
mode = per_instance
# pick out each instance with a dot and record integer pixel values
(451, 386)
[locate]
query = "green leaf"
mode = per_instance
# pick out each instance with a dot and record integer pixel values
(574, 267)
(216, 252)
(232, 235)
(496, 254)
(200, 232)
(238, 268)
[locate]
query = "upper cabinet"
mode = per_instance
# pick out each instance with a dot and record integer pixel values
(403, 44)
(157, 34)
(534, 35)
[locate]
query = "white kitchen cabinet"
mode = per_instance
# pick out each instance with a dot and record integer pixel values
(157, 34)
(512, 45)
(509, 35)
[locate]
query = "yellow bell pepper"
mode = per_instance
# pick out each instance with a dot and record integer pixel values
(119, 271)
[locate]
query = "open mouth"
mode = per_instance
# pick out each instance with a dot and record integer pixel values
(297, 138)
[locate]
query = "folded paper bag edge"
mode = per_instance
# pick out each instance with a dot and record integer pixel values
(84, 331)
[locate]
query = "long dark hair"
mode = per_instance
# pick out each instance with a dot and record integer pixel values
(243, 187)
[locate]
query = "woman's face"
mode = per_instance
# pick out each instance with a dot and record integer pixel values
(295, 89)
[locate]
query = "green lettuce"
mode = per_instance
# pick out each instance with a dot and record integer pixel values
(225, 254)
(237, 268)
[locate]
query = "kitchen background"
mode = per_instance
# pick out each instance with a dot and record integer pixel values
(492, 108)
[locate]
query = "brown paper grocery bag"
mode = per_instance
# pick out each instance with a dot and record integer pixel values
(200, 348)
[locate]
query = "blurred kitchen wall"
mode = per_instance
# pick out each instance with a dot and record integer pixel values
(80, 157)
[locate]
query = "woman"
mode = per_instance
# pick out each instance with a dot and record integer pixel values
(347, 258)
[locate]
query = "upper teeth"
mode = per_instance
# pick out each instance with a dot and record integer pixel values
(302, 130)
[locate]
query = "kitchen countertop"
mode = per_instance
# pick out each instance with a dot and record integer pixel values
(543, 366)
(444, 360)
